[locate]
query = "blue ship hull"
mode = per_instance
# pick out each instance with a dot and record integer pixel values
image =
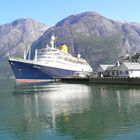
(28, 72)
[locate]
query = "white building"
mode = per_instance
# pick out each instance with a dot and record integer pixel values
(125, 69)
(102, 71)
(129, 69)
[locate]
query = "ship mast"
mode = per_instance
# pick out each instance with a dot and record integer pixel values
(27, 53)
(53, 38)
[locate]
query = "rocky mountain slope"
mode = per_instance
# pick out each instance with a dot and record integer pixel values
(15, 37)
(18, 35)
(96, 38)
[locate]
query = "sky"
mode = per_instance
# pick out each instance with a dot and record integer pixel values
(50, 12)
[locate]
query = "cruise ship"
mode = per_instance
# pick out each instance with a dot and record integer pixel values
(49, 63)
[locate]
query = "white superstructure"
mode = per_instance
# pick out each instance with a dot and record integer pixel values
(57, 58)
(48, 64)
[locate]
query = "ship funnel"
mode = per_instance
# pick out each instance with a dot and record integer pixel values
(63, 48)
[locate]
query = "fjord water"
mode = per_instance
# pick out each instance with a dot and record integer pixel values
(66, 111)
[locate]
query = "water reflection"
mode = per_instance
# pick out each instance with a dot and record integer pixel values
(58, 98)
(48, 103)
(76, 111)
(119, 111)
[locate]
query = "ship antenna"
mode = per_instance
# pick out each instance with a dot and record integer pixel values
(53, 38)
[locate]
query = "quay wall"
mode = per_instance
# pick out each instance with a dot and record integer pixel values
(115, 80)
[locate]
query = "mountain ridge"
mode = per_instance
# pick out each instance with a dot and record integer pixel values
(15, 37)
(97, 38)
(18, 35)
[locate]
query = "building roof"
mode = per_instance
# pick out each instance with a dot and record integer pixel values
(104, 67)
(128, 65)
(132, 65)
(113, 68)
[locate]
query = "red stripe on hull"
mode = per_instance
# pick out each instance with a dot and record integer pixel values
(32, 81)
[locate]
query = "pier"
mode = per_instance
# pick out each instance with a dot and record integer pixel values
(116, 80)
(104, 80)
(75, 80)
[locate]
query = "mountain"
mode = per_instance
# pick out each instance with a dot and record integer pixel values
(18, 35)
(97, 38)
(15, 37)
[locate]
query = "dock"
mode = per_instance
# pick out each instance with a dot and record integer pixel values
(116, 80)
(104, 80)
(75, 80)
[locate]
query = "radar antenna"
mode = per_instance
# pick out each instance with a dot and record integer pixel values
(53, 38)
